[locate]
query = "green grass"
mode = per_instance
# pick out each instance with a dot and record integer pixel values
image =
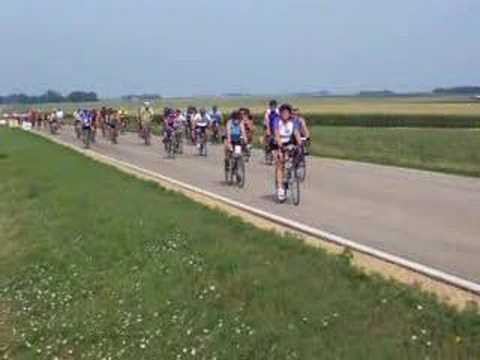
(454, 151)
(97, 264)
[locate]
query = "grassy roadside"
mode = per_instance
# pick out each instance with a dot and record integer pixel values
(97, 264)
(455, 151)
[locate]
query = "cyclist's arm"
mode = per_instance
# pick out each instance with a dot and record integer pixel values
(297, 136)
(229, 137)
(244, 133)
(278, 140)
(266, 122)
(305, 127)
(209, 120)
(251, 124)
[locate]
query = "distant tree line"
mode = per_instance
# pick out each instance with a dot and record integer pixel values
(50, 96)
(460, 90)
(142, 97)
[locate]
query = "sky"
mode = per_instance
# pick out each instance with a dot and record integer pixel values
(196, 47)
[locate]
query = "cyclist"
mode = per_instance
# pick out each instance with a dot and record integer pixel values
(286, 132)
(53, 122)
(191, 111)
(200, 123)
(216, 118)
(181, 118)
(169, 123)
(303, 129)
(145, 119)
(270, 117)
(77, 122)
(95, 120)
(86, 120)
(247, 120)
(113, 124)
(235, 134)
(59, 115)
(123, 120)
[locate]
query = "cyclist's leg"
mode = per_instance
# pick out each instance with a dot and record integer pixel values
(227, 155)
(279, 171)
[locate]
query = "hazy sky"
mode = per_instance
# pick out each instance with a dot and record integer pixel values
(183, 47)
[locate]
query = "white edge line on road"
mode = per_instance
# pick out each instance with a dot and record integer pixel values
(294, 225)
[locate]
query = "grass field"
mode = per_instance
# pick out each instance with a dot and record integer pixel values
(318, 105)
(96, 264)
(447, 150)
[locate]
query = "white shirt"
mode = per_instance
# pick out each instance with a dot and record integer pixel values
(286, 131)
(200, 120)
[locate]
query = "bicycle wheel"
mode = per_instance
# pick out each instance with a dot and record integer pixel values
(172, 147)
(179, 145)
(240, 173)
(147, 137)
(205, 153)
(228, 171)
(86, 138)
(301, 170)
(294, 189)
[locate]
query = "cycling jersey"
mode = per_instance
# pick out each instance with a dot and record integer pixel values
(216, 118)
(173, 122)
(273, 115)
(286, 130)
(299, 126)
(86, 120)
(202, 121)
(235, 132)
(146, 115)
(59, 115)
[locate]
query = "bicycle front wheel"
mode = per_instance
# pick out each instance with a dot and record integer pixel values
(301, 170)
(240, 172)
(294, 189)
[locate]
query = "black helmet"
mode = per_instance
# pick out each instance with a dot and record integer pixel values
(286, 107)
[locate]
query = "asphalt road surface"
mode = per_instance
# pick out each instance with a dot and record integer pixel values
(429, 218)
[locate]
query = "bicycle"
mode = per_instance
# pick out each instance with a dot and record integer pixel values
(235, 167)
(179, 141)
(171, 143)
(87, 136)
(267, 148)
(247, 153)
(78, 129)
(53, 127)
(291, 181)
(201, 140)
(215, 138)
(113, 133)
(302, 160)
(146, 134)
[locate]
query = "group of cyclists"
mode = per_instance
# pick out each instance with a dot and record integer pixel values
(286, 136)
(52, 119)
(107, 120)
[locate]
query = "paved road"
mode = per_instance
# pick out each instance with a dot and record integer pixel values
(433, 219)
